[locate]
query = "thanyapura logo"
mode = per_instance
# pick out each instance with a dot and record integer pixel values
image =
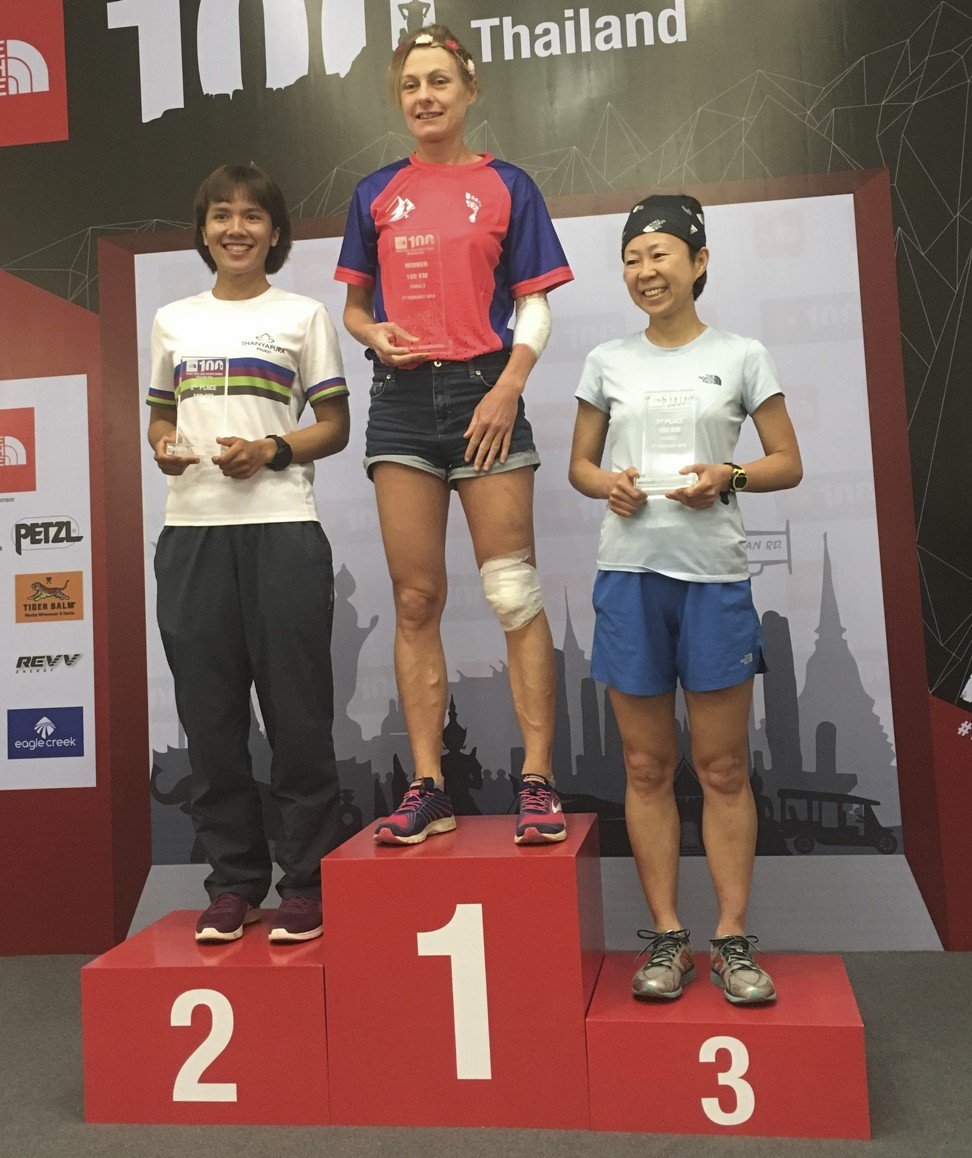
(266, 344)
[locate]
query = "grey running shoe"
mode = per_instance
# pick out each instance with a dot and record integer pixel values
(668, 968)
(735, 971)
(225, 918)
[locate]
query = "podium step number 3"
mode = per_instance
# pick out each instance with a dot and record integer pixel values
(462, 941)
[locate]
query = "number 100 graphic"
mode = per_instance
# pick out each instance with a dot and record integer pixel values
(219, 50)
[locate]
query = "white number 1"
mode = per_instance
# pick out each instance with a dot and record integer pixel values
(462, 941)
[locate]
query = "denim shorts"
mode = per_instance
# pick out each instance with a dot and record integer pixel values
(417, 417)
(651, 630)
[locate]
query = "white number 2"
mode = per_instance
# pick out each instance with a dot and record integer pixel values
(732, 1077)
(462, 941)
(188, 1087)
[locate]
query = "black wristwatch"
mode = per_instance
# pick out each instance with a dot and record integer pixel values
(738, 481)
(284, 456)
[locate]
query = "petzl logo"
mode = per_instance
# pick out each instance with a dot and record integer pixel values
(40, 534)
(33, 82)
(18, 471)
(43, 733)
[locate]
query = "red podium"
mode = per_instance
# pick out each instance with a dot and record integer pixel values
(177, 1032)
(458, 974)
(699, 1065)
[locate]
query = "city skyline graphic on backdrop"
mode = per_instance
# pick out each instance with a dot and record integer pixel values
(807, 753)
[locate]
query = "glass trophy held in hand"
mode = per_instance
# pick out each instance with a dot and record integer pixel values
(413, 277)
(206, 380)
(669, 441)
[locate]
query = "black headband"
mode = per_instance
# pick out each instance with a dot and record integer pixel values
(680, 215)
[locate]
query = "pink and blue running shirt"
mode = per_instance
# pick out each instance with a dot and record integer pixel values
(446, 250)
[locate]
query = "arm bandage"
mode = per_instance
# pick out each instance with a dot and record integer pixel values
(532, 327)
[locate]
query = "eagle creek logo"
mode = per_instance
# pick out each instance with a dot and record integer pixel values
(48, 597)
(18, 471)
(42, 733)
(399, 209)
(266, 344)
(37, 664)
(40, 534)
(33, 81)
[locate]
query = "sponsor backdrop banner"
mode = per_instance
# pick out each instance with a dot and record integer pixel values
(613, 98)
(47, 677)
(814, 558)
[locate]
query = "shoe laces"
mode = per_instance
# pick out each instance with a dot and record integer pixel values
(536, 797)
(413, 798)
(663, 948)
(297, 904)
(226, 901)
(737, 952)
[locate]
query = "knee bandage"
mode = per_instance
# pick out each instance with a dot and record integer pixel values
(512, 588)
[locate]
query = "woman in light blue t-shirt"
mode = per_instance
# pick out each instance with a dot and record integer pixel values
(672, 596)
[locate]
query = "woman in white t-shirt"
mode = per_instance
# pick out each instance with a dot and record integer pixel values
(672, 595)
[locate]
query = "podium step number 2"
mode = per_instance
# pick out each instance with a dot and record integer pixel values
(188, 1087)
(462, 941)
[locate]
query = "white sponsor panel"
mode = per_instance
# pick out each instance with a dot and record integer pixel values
(785, 272)
(47, 710)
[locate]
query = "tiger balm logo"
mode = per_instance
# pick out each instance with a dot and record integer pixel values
(42, 598)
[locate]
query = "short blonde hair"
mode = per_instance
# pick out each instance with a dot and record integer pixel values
(432, 36)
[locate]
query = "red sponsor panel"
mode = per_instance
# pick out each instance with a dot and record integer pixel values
(18, 450)
(699, 1065)
(467, 960)
(952, 745)
(177, 1032)
(33, 80)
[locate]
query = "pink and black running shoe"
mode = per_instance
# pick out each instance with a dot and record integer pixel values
(540, 815)
(424, 811)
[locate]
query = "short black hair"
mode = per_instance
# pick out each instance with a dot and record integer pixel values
(250, 180)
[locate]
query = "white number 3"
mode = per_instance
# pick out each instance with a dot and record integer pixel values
(188, 1087)
(732, 1077)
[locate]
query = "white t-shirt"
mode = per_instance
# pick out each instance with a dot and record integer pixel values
(730, 377)
(242, 369)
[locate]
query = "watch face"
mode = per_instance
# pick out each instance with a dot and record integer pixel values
(740, 480)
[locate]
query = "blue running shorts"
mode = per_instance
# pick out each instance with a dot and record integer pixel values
(651, 630)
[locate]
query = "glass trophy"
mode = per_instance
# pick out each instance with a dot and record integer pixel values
(413, 280)
(669, 441)
(207, 380)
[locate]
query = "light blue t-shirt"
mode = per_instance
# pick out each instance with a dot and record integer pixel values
(730, 377)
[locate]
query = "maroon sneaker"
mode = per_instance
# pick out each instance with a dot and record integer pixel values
(297, 919)
(225, 918)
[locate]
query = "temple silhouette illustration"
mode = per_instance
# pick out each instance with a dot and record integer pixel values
(805, 754)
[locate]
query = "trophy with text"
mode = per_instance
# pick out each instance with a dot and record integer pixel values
(207, 380)
(669, 441)
(413, 277)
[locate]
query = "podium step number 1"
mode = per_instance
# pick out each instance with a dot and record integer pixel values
(462, 941)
